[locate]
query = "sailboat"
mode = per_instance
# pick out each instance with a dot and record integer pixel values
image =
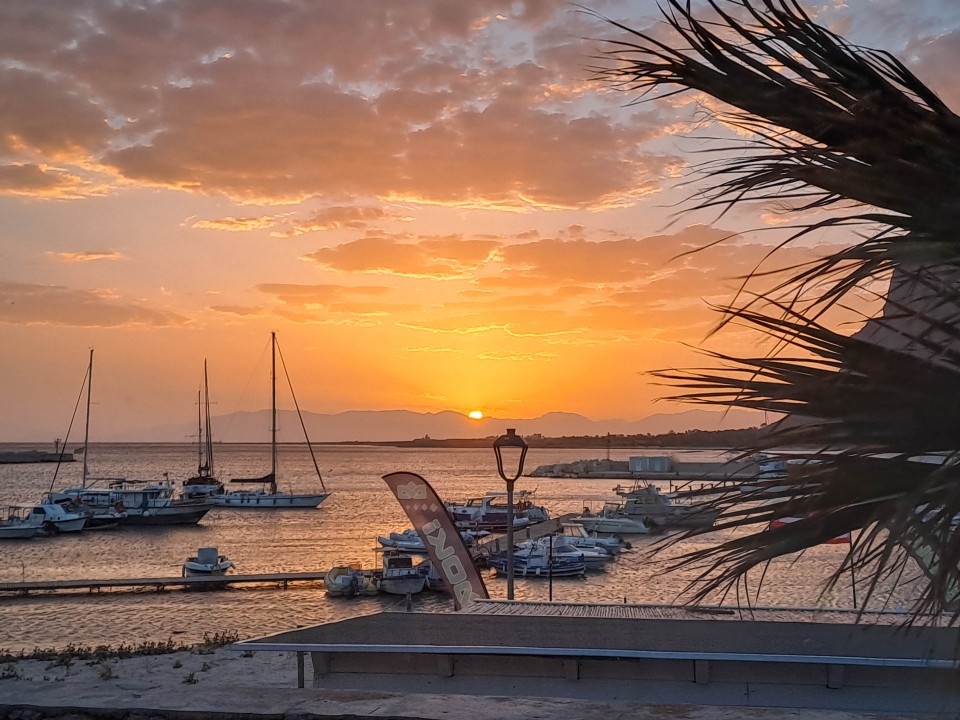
(204, 484)
(128, 502)
(267, 494)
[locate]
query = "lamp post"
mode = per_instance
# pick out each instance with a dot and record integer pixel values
(515, 444)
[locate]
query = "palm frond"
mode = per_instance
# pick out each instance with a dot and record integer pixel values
(829, 123)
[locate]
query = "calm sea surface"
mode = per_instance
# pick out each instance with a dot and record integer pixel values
(343, 530)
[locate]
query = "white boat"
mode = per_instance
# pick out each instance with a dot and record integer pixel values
(579, 536)
(643, 500)
(350, 581)
(401, 576)
(559, 546)
(48, 518)
(611, 520)
(489, 512)
(267, 494)
(97, 518)
(138, 502)
(207, 562)
(534, 560)
(409, 540)
(13, 524)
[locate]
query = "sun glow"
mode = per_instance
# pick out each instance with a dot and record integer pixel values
(475, 415)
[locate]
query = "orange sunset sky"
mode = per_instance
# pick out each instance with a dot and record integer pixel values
(432, 204)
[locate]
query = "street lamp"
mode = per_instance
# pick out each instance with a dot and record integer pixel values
(516, 452)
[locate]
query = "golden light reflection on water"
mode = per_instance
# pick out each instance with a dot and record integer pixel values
(343, 530)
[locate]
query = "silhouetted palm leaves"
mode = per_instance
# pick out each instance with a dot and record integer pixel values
(850, 133)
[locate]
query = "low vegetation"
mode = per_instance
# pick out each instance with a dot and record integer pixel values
(66, 656)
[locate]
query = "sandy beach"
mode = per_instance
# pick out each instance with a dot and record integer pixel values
(230, 683)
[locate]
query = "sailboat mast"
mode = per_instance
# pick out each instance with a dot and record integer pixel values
(199, 434)
(86, 432)
(273, 405)
(206, 410)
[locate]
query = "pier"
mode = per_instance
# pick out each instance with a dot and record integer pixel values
(217, 582)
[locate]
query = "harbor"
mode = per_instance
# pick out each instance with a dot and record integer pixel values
(342, 531)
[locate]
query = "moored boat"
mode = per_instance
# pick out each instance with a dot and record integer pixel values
(267, 495)
(579, 536)
(645, 501)
(401, 576)
(535, 561)
(128, 502)
(48, 518)
(13, 524)
(141, 503)
(204, 484)
(350, 581)
(558, 547)
(611, 520)
(490, 511)
(207, 562)
(409, 540)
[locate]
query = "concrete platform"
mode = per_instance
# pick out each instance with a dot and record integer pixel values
(607, 654)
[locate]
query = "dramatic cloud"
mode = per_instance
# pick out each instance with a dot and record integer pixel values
(25, 304)
(276, 102)
(87, 256)
(439, 258)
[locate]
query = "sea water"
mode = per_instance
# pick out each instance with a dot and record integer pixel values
(343, 530)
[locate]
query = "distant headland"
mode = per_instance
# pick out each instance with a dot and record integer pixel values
(745, 437)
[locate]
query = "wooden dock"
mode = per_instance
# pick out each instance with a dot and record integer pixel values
(218, 582)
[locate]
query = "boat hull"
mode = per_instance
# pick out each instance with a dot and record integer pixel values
(617, 526)
(62, 526)
(17, 532)
(256, 501)
(403, 585)
(538, 568)
(191, 569)
(165, 516)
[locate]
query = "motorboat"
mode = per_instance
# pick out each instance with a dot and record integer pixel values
(140, 503)
(351, 580)
(267, 495)
(97, 518)
(489, 512)
(535, 561)
(48, 518)
(645, 501)
(13, 524)
(207, 562)
(401, 576)
(583, 538)
(409, 540)
(611, 520)
(559, 546)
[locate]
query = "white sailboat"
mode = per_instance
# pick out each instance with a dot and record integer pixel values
(267, 495)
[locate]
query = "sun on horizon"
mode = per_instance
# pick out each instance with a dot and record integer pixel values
(475, 415)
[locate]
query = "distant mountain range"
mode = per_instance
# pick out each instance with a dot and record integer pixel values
(404, 425)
